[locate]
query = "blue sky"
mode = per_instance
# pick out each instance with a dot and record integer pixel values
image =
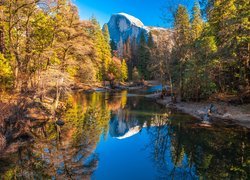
(148, 11)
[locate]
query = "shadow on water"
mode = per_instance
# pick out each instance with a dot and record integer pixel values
(167, 144)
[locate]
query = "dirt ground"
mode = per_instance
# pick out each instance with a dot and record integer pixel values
(239, 114)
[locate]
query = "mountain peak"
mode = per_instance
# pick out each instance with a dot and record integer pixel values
(124, 27)
(132, 19)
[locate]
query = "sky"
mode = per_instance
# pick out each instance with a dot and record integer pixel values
(148, 11)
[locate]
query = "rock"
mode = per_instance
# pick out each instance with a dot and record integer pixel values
(206, 118)
(212, 109)
(201, 112)
(227, 115)
(60, 122)
(123, 26)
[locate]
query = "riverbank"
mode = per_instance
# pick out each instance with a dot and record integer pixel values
(35, 108)
(19, 113)
(239, 114)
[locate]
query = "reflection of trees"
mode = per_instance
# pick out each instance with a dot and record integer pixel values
(50, 156)
(65, 155)
(220, 153)
(160, 139)
(168, 152)
(181, 149)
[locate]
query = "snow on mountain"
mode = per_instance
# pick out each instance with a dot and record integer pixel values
(132, 19)
(123, 26)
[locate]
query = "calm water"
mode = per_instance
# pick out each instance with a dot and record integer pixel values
(123, 136)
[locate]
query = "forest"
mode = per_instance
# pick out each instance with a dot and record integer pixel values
(207, 53)
(44, 44)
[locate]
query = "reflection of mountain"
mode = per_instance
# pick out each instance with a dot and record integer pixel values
(128, 120)
(125, 124)
(120, 128)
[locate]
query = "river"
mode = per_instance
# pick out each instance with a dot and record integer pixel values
(111, 136)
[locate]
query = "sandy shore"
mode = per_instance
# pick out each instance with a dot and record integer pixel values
(239, 114)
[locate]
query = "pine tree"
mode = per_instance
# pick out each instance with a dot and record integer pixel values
(229, 24)
(124, 70)
(151, 48)
(182, 26)
(151, 43)
(243, 39)
(197, 22)
(133, 61)
(103, 49)
(181, 51)
(143, 57)
(105, 32)
(113, 45)
(106, 50)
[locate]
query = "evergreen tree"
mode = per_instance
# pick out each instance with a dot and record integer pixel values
(98, 43)
(105, 31)
(103, 49)
(150, 41)
(230, 25)
(113, 47)
(181, 51)
(143, 57)
(106, 50)
(151, 48)
(124, 70)
(182, 26)
(197, 22)
(133, 61)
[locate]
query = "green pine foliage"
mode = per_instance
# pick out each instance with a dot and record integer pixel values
(143, 57)
(211, 56)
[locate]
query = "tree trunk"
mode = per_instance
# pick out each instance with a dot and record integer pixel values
(2, 45)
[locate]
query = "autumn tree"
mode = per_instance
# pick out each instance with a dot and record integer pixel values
(124, 70)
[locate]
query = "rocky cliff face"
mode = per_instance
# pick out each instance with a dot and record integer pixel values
(123, 26)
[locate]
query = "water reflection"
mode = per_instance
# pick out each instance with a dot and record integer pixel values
(183, 150)
(173, 145)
